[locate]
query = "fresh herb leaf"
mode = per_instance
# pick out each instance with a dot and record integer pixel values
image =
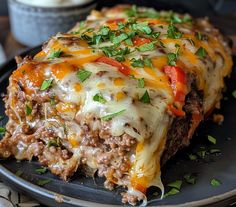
(137, 63)
(212, 151)
(234, 93)
(189, 178)
(145, 98)
(215, 182)
(55, 54)
(43, 182)
(173, 191)
(83, 75)
(19, 173)
(41, 170)
(172, 57)
(211, 139)
(146, 47)
(111, 116)
(104, 31)
(120, 58)
(52, 101)
(46, 84)
(148, 62)
(149, 14)
(176, 184)
(2, 130)
(129, 42)
(201, 153)
(198, 35)
(99, 98)
(132, 12)
(173, 32)
(192, 157)
(141, 83)
(155, 34)
(201, 52)
(142, 27)
(120, 38)
(28, 109)
(52, 142)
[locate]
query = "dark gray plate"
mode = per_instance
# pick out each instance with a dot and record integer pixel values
(82, 191)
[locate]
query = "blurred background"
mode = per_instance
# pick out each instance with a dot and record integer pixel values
(30, 25)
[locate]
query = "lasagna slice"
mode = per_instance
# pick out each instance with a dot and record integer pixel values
(119, 95)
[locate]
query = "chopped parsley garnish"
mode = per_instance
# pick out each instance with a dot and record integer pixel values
(132, 12)
(104, 31)
(129, 42)
(19, 173)
(114, 51)
(189, 178)
(201, 52)
(83, 75)
(146, 47)
(52, 142)
(176, 184)
(142, 27)
(2, 130)
(213, 151)
(46, 84)
(211, 139)
(120, 38)
(43, 182)
(155, 34)
(234, 93)
(173, 32)
(137, 63)
(28, 109)
(150, 13)
(215, 182)
(173, 191)
(55, 54)
(172, 57)
(202, 153)
(41, 170)
(99, 98)
(111, 116)
(192, 157)
(141, 83)
(145, 98)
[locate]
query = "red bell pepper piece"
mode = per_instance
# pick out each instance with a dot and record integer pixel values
(121, 67)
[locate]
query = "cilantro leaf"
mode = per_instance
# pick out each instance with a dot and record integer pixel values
(19, 173)
(28, 109)
(137, 63)
(46, 84)
(211, 139)
(146, 47)
(173, 191)
(192, 157)
(215, 182)
(83, 75)
(201, 52)
(189, 178)
(2, 130)
(55, 54)
(176, 184)
(172, 57)
(234, 93)
(99, 98)
(41, 170)
(120, 38)
(141, 83)
(173, 32)
(111, 116)
(142, 27)
(145, 98)
(43, 182)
